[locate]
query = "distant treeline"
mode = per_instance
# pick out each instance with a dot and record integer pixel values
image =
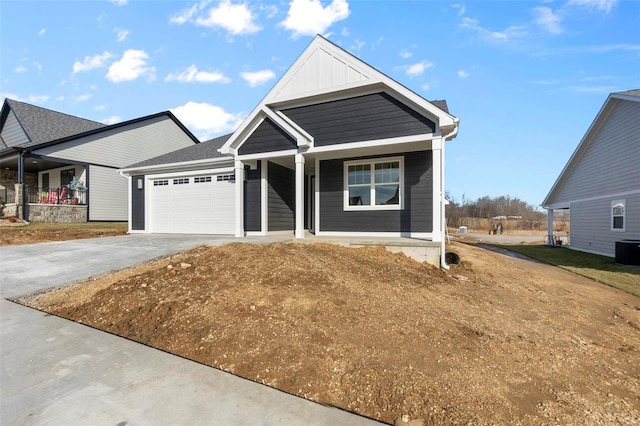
(501, 208)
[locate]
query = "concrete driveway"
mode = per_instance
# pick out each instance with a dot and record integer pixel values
(57, 372)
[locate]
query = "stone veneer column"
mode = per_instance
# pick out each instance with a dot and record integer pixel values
(19, 197)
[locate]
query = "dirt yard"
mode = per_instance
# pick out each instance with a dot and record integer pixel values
(497, 340)
(14, 231)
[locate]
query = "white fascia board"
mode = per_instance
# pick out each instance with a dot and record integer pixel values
(373, 143)
(267, 155)
(168, 166)
(230, 146)
(625, 97)
(167, 174)
(612, 196)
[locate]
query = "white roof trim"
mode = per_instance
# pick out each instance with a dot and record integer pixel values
(127, 171)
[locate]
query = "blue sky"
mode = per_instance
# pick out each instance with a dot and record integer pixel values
(526, 78)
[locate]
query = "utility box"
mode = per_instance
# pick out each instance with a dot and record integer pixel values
(628, 252)
(462, 230)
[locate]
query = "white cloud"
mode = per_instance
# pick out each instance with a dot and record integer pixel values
(308, 17)
(418, 69)
(463, 74)
(270, 10)
(509, 33)
(548, 20)
(120, 2)
(20, 69)
(100, 108)
(191, 74)
(91, 62)
(38, 99)
(131, 66)
(461, 8)
(405, 54)
(121, 34)
(206, 120)
(426, 86)
(38, 65)
(604, 5)
(235, 18)
(357, 45)
(592, 89)
(82, 98)
(258, 77)
(42, 31)
(60, 98)
(187, 15)
(112, 120)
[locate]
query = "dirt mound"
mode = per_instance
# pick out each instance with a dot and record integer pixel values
(496, 340)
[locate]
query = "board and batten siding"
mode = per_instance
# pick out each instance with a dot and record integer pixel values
(361, 118)
(123, 146)
(417, 215)
(591, 224)
(268, 137)
(281, 198)
(108, 192)
(322, 70)
(12, 132)
(253, 199)
(611, 163)
(137, 203)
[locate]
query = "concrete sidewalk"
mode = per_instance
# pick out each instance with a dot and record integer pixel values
(57, 372)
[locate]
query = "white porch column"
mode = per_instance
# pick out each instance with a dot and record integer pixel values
(549, 226)
(438, 189)
(299, 196)
(239, 171)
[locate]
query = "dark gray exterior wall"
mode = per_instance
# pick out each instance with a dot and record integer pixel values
(268, 137)
(417, 215)
(137, 204)
(368, 117)
(253, 199)
(281, 198)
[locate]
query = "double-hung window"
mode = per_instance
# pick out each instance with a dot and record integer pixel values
(374, 184)
(617, 215)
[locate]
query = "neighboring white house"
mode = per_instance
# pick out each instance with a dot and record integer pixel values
(45, 151)
(335, 148)
(600, 185)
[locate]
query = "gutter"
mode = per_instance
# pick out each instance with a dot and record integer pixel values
(449, 136)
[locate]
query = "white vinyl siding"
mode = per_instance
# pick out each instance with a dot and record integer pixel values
(591, 225)
(611, 163)
(12, 132)
(108, 192)
(54, 176)
(123, 146)
(321, 70)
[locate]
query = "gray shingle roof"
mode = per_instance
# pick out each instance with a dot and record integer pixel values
(202, 151)
(442, 104)
(44, 125)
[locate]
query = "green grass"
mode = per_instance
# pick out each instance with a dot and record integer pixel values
(600, 268)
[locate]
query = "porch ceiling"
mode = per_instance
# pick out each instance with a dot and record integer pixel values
(31, 165)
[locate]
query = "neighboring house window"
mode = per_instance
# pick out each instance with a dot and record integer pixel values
(164, 182)
(66, 176)
(374, 184)
(181, 181)
(617, 215)
(45, 181)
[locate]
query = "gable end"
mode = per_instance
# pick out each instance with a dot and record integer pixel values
(268, 137)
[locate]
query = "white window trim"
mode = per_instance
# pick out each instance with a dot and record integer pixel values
(372, 162)
(624, 215)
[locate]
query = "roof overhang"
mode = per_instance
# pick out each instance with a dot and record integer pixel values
(178, 166)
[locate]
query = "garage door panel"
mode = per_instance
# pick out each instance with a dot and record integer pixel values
(203, 207)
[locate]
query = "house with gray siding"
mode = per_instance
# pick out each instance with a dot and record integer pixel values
(58, 167)
(336, 148)
(600, 184)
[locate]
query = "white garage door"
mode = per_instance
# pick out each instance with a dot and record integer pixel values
(193, 205)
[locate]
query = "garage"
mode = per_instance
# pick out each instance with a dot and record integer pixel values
(200, 204)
